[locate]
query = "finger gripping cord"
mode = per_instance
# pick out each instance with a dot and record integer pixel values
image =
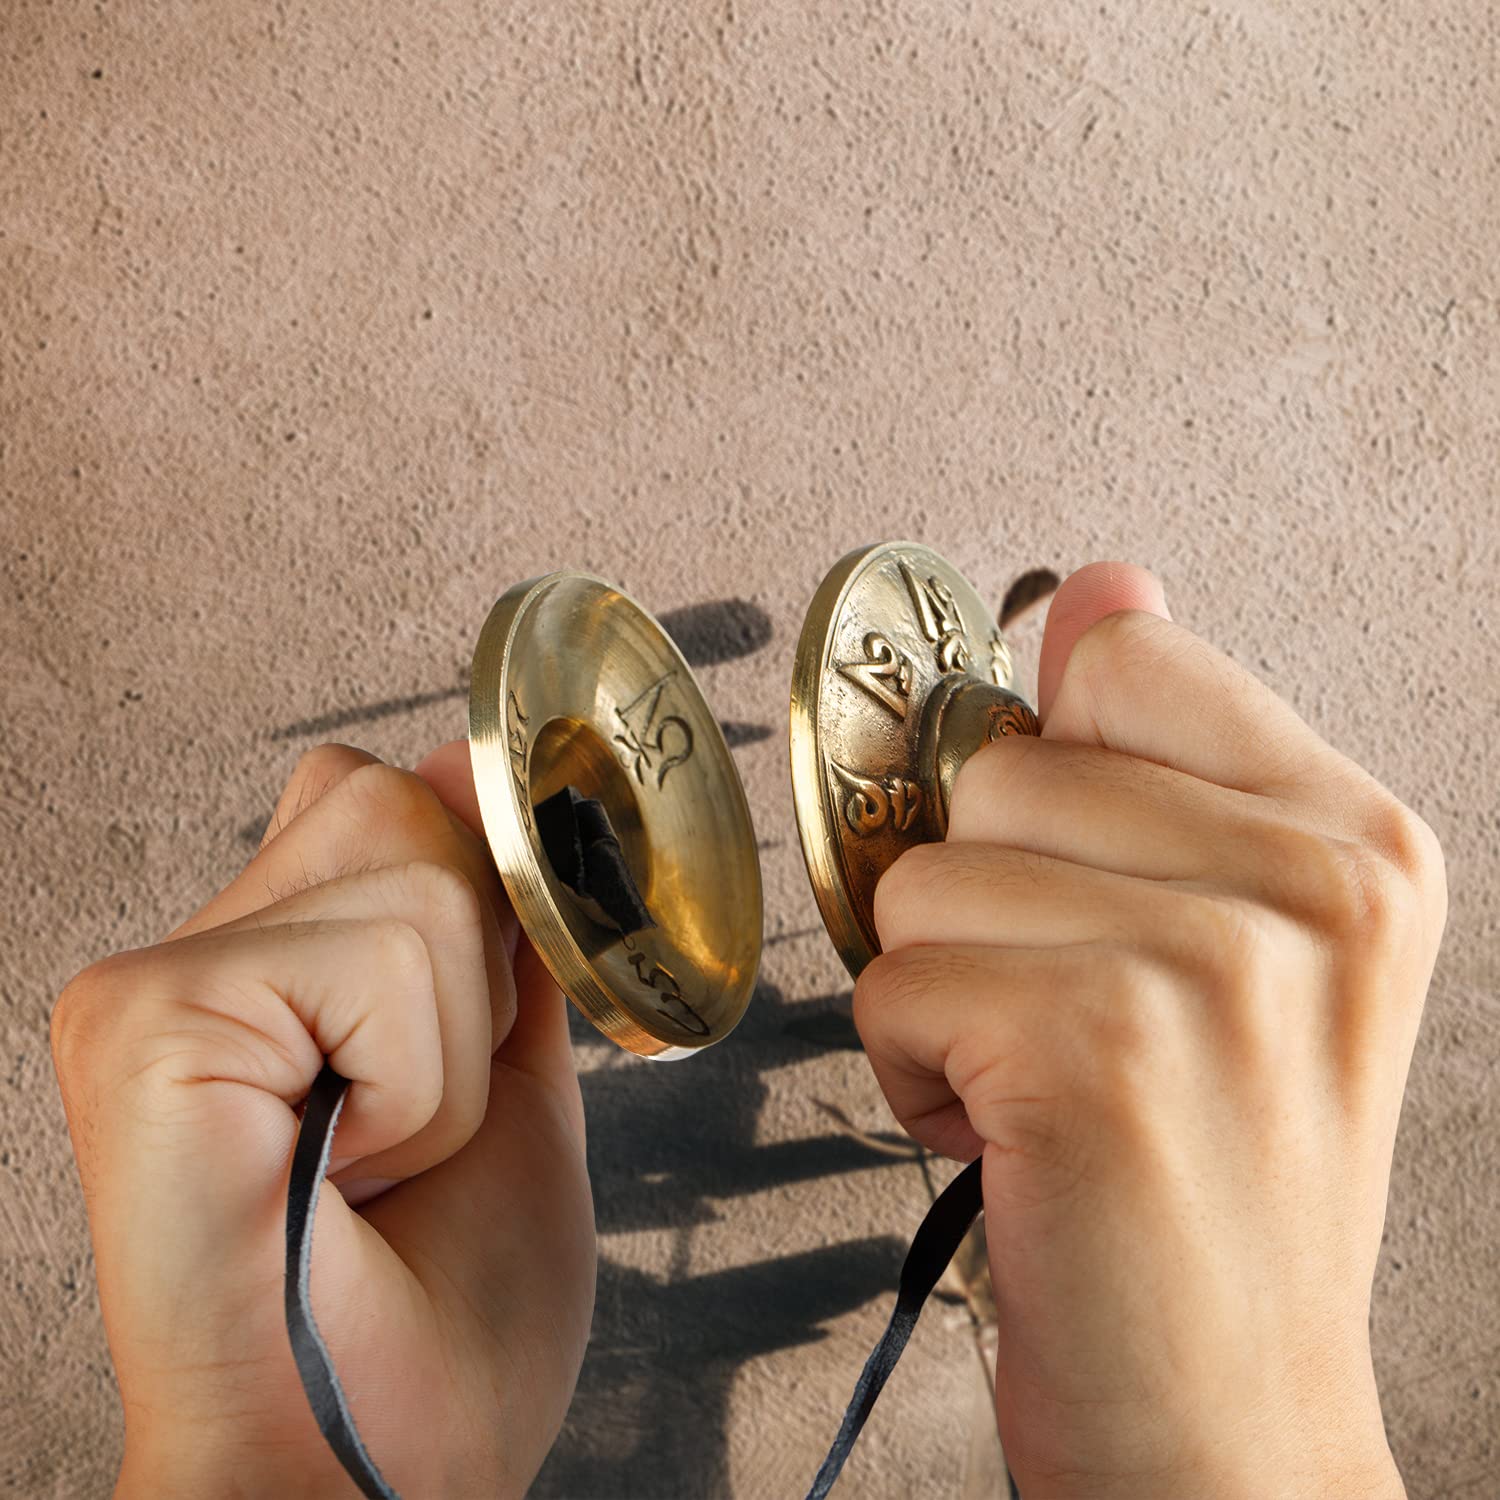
(936, 1241)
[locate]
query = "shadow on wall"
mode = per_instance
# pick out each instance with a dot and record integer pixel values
(651, 1409)
(705, 633)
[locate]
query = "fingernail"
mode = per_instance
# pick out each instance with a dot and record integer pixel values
(362, 1189)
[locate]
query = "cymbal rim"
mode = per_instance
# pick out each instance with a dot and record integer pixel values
(822, 851)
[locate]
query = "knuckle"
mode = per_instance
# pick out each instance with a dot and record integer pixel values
(399, 951)
(316, 770)
(444, 892)
(901, 891)
(1127, 640)
(891, 982)
(911, 978)
(986, 779)
(1368, 899)
(1342, 888)
(1408, 843)
(396, 796)
(1124, 660)
(872, 989)
(83, 1010)
(952, 888)
(976, 878)
(320, 764)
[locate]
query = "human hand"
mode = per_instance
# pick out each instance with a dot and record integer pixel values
(371, 927)
(1165, 974)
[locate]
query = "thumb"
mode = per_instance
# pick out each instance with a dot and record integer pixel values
(539, 1041)
(1083, 599)
(447, 770)
(1148, 687)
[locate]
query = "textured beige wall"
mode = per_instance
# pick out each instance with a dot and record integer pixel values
(322, 324)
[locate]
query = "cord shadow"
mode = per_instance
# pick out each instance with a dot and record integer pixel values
(649, 1417)
(652, 1406)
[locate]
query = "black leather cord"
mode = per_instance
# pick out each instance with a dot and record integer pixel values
(936, 1241)
(585, 854)
(319, 1379)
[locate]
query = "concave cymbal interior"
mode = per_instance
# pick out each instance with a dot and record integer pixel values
(575, 684)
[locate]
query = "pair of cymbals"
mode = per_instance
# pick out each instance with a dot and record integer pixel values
(900, 674)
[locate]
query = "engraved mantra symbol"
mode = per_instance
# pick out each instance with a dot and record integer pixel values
(670, 1000)
(886, 673)
(870, 804)
(638, 749)
(1012, 718)
(519, 752)
(942, 624)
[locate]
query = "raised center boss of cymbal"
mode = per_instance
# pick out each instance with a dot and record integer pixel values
(640, 888)
(901, 674)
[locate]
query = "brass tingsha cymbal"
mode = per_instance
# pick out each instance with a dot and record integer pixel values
(574, 684)
(901, 674)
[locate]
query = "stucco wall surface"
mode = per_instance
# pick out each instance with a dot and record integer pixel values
(320, 325)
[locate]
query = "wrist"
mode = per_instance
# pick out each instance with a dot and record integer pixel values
(1306, 1457)
(1328, 1469)
(185, 1471)
(1317, 1451)
(1253, 1477)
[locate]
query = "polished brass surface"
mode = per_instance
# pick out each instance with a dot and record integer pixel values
(901, 674)
(574, 683)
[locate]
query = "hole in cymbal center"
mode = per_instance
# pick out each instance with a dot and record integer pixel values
(585, 854)
(570, 752)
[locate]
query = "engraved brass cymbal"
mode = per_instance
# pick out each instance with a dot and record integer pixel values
(575, 684)
(901, 674)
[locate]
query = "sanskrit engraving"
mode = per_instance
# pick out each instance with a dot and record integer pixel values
(938, 614)
(519, 750)
(669, 996)
(870, 804)
(1012, 718)
(674, 735)
(885, 673)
